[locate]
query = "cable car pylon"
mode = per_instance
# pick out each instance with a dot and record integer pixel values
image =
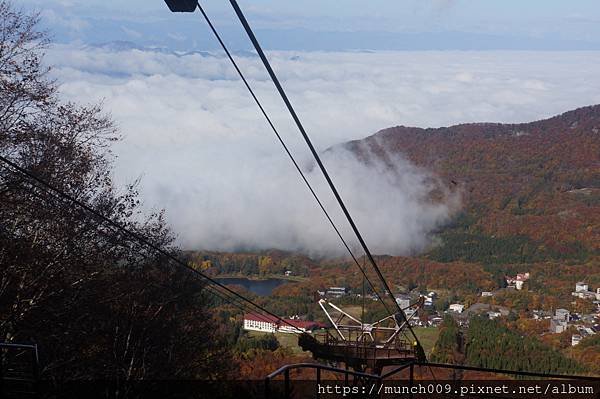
(365, 346)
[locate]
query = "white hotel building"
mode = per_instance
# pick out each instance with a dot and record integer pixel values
(270, 324)
(256, 322)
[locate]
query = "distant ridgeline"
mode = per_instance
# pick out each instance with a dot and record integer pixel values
(251, 264)
(531, 191)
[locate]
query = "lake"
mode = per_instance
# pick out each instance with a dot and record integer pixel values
(259, 287)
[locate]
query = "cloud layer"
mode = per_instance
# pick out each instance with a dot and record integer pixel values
(206, 155)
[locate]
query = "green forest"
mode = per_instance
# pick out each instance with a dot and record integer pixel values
(491, 344)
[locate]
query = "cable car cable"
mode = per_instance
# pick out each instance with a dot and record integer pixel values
(136, 236)
(280, 139)
(290, 108)
(211, 288)
(296, 119)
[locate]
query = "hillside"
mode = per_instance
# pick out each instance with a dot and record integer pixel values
(265, 263)
(532, 187)
(531, 202)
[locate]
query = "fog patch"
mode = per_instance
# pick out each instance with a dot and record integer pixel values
(206, 155)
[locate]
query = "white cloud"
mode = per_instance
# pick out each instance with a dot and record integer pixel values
(72, 23)
(208, 157)
(131, 33)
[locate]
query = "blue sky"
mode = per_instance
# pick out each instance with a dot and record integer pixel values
(325, 25)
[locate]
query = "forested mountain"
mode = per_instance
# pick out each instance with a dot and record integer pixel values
(536, 186)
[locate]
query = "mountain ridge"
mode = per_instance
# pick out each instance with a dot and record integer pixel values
(537, 179)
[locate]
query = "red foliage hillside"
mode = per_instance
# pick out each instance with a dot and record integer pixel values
(539, 179)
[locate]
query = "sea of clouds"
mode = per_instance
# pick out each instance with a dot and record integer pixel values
(206, 155)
